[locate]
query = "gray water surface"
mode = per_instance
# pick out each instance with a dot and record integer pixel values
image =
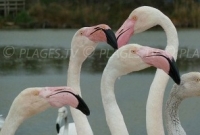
(20, 72)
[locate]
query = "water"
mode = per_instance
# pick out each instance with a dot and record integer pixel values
(21, 71)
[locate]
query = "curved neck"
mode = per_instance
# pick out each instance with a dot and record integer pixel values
(11, 124)
(172, 118)
(73, 80)
(172, 36)
(154, 119)
(113, 114)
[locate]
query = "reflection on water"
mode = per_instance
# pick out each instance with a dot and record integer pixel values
(40, 60)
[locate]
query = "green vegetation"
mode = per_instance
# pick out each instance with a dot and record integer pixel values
(79, 13)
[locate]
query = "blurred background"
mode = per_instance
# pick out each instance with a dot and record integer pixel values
(35, 39)
(79, 13)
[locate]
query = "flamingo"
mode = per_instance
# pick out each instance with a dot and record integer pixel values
(129, 58)
(189, 87)
(1, 121)
(68, 128)
(32, 101)
(139, 20)
(83, 44)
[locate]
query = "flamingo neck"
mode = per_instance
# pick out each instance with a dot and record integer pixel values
(73, 77)
(66, 126)
(172, 118)
(113, 114)
(11, 124)
(73, 80)
(154, 119)
(172, 36)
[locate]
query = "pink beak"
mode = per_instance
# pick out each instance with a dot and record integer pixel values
(61, 96)
(160, 59)
(125, 32)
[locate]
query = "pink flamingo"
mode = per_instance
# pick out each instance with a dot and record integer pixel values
(32, 101)
(83, 44)
(139, 20)
(129, 58)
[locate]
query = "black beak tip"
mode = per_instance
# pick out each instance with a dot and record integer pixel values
(57, 128)
(85, 111)
(82, 106)
(176, 79)
(174, 72)
(111, 38)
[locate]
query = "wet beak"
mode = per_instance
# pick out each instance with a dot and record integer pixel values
(111, 39)
(82, 106)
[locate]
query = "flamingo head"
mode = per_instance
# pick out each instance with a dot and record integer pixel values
(139, 20)
(134, 57)
(189, 86)
(61, 96)
(32, 101)
(62, 115)
(101, 33)
(85, 39)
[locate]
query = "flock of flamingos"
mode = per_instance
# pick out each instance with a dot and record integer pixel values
(127, 58)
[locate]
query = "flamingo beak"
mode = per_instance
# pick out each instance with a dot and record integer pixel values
(160, 59)
(61, 96)
(111, 39)
(173, 71)
(169, 66)
(57, 128)
(125, 32)
(82, 106)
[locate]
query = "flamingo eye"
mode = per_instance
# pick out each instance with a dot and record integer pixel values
(81, 32)
(133, 51)
(35, 93)
(135, 18)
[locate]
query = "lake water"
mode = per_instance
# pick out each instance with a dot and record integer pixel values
(24, 67)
